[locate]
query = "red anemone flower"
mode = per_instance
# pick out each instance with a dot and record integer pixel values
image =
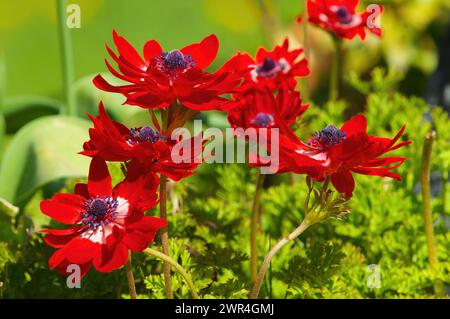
(258, 110)
(162, 78)
(348, 150)
(262, 115)
(106, 222)
(271, 68)
(113, 141)
(340, 17)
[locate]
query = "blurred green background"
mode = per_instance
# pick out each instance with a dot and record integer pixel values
(41, 157)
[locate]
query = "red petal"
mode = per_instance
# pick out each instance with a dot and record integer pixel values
(63, 211)
(139, 187)
(127, 51)
(111, 258)
(357, 124)
(148, 224)
(343, 182)
(77, 251)
(137, 241)
(203, 53)
(63, 265)
(58, 238)
(384, 161)
(82, 190)
(382, 172)
(151, 49)
(99, 181)
(101, 84)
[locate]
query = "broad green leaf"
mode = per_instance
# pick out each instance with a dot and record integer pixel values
(44, 150)
(18, 111)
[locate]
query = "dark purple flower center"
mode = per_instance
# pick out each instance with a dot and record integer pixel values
(263, 120)
(327, 137)
(174, 62)
(99, 211)
(269, 68)
(344, 16)
(268, 65)
(144, 134)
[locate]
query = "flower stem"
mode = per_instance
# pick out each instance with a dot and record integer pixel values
(65, 43)
(269, 22)
(260, 278)
(444, 191)
(306, 86)
(427, 214)
(129, 265)
(130, 277)
(2, 93)
(176, 266)
(254, 226)
(165, 234)
(336, 69)
(163, 214)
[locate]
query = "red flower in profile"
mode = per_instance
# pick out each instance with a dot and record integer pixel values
(106, 222)
(347, 150)
(340, 17)
(263, 115)
(161, 78)
(258, 110)
(113, 141)
(271, 69)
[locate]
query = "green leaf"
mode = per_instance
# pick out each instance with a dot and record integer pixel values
(232, 288)
(18, 111)
(226, 257)
(323, 261)
(44, 150)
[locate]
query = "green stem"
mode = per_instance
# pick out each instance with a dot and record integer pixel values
(260, 278)
(254, 226)
(336, 70)
(176, 266)
(129, 264)
(306, 86)
(427, 214)
(269, 22)
(271, 274)
(2, 81)
(163, 214)
(130, 277)
(444, 191)
(2, 100)
(65, 43)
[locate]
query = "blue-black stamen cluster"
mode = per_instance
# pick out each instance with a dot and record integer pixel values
(174, 62)
(263, 120)
(144, 134)
(269, 68)
(344, 16)
(329, 136)
(99, 211)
